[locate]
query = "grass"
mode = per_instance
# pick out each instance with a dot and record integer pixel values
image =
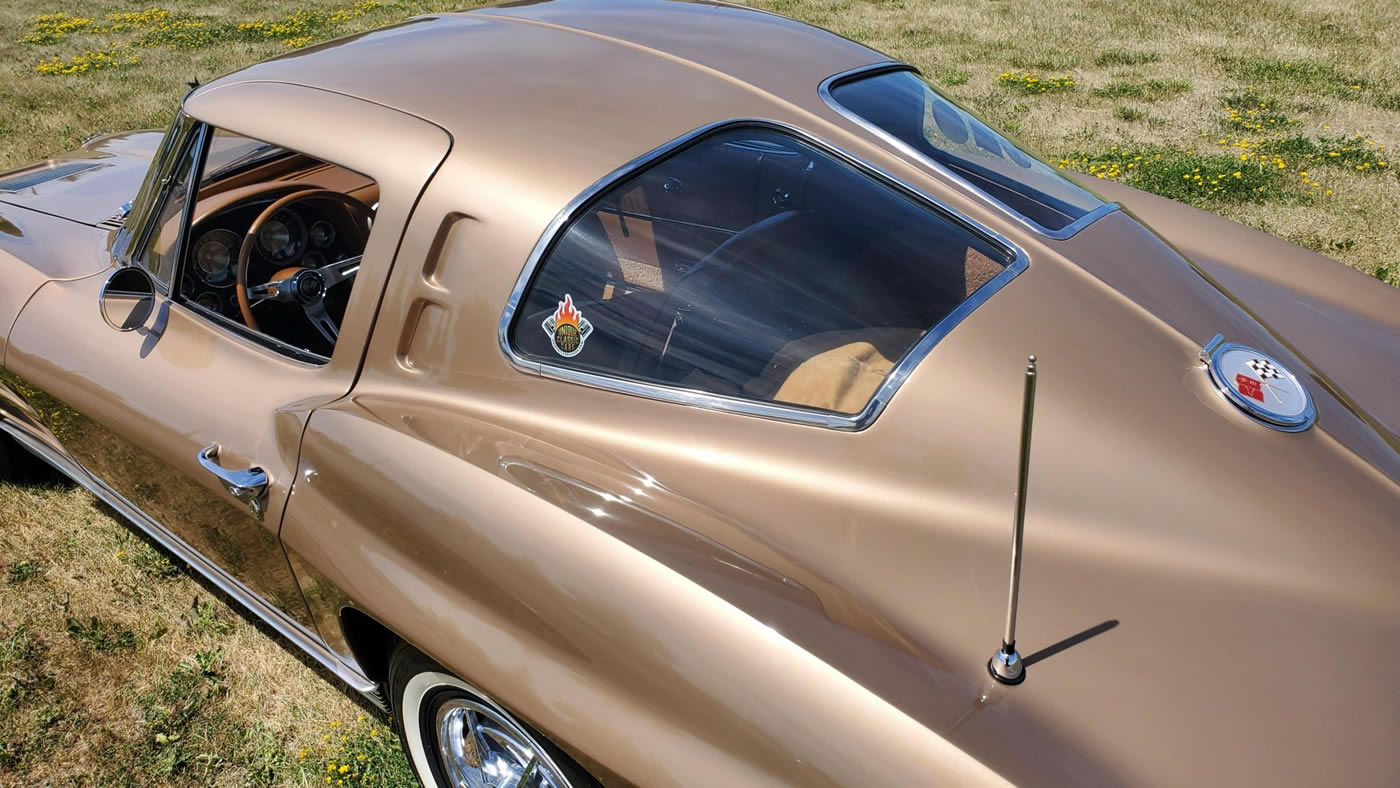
(1144, 90)
(1157, 76)
(117, 667)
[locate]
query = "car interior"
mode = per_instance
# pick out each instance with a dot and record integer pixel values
(754, 265)
(274, 242)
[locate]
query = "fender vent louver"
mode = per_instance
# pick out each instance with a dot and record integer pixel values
(112, 222)
(26, 179)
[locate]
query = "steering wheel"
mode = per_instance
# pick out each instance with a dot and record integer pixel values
(300, 285)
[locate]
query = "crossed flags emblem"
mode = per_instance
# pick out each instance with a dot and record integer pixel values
(1264, 369)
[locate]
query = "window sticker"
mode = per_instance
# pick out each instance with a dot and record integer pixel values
(567, 328)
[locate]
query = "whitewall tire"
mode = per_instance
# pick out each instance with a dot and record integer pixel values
(455, 736)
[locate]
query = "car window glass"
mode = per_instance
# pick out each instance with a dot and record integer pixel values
(903, 105)
(230, 153)
(162, 244)
(271, 255)
(751, 265)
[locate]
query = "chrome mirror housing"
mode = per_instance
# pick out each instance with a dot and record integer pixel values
(128, 298)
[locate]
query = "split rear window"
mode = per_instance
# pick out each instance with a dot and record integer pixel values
(904, 106)
(755, 266)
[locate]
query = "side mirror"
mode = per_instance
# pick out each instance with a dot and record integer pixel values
(128, 298)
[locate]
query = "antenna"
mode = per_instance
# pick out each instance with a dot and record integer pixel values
(1005, 665)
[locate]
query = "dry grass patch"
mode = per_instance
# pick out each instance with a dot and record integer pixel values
(1144, 90)
(118, 668)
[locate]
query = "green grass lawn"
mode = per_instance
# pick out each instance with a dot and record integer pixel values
(116, 667)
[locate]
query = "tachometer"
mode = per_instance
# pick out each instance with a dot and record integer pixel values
(322, 234)
(214, 255)
(283, 237)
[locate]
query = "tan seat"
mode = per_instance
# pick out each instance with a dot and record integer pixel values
(840, 371)
(836, 370)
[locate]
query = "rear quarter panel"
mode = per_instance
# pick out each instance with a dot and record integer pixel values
(1344, 322)
(593, 641)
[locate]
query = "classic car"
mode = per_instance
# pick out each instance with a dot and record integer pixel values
(630, 392)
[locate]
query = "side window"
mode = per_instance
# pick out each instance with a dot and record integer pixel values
(275, 243)
(904, 106)
(751, 265)
(162, 243)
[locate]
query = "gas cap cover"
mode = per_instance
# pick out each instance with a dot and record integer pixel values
(1259, 385)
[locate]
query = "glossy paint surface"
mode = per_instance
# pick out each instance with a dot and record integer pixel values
(96, 194)
(688, 596)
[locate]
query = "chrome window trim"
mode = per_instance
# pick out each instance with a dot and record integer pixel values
(298, 635)
(769, 410)
(152, 188)
(1064, 233)
(227, 326)
(201, 151)
(137, 229)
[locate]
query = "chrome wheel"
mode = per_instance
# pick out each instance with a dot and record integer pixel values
(457, 737)
(479, 749)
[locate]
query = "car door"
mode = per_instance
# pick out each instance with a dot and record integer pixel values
(195, 424)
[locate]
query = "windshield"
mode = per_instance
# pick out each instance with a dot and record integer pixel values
(904, 106)
(229, 153)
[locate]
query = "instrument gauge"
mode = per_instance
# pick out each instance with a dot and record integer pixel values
(322, 234)
(214, 255)
(283, 237)
(208, 301)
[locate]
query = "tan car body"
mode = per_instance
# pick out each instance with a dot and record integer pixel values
(684, 596)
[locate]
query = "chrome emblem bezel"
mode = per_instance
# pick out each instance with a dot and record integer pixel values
(1215, 354)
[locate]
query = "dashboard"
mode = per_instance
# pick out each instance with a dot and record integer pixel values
(297, 236)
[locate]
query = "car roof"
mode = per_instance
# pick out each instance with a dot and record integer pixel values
(601, 80)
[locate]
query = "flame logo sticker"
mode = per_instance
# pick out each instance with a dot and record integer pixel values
(567, 328)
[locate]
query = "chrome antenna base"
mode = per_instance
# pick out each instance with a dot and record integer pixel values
(1006, 666)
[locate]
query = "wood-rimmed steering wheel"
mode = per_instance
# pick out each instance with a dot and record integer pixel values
(301, 285)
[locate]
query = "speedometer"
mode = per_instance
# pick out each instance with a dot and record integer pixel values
(214, 254)
(283, 237)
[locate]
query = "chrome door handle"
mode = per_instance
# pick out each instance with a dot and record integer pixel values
(248, 486)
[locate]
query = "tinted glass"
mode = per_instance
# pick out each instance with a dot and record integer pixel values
(751, 265)
(905, 106)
